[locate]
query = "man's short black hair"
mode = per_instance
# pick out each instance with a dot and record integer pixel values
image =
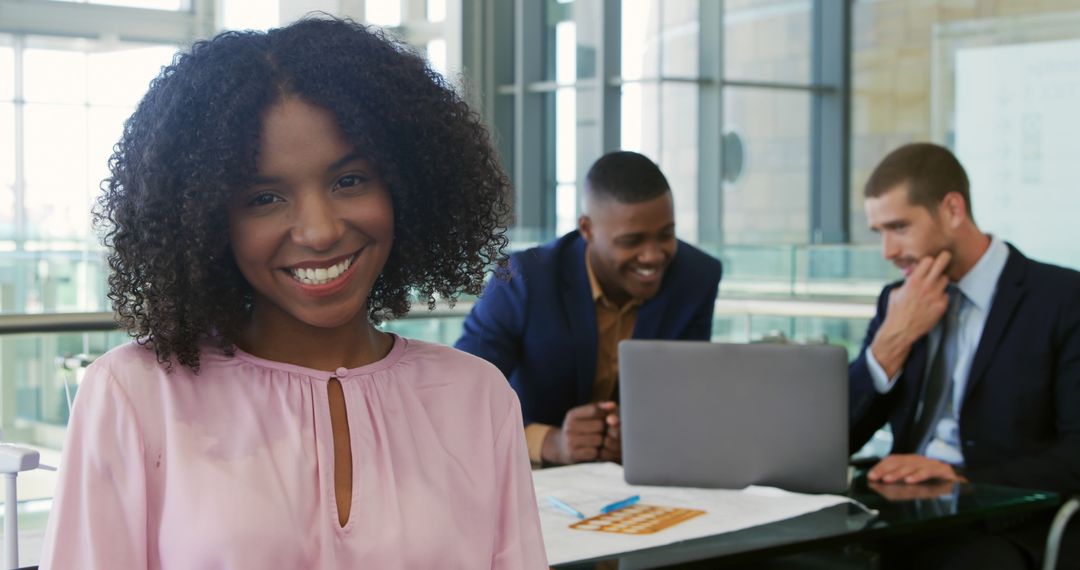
(626, 176)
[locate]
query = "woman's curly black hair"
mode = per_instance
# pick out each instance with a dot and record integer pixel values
(193, 140)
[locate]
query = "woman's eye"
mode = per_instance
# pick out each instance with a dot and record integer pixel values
(350, 180)
(263, 199)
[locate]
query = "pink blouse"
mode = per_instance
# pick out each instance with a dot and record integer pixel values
(233, 468)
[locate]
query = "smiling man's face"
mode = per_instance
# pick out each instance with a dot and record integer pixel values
(630, 245)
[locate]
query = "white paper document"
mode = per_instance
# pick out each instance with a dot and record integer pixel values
(590, 486)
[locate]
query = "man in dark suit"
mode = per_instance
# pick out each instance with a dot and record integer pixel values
(552, 322)
(974, 358)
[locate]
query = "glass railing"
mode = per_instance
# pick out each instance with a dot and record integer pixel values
(802, 321)
(51, 278)
(41, 372)
(844, 271)
(831, 270)
(70, 277)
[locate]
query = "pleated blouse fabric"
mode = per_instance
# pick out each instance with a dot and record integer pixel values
(233, 468)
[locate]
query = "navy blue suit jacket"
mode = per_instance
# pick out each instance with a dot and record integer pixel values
(539, 326)
(1020, 418)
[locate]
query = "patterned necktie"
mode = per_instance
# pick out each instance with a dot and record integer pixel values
(938, 385)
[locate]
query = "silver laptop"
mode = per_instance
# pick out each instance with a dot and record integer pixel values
(700, 414)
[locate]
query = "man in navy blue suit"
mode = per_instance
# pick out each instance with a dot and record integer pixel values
(973, 359)
(553, 320)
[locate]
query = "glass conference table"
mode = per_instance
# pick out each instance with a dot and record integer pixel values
(835, 534)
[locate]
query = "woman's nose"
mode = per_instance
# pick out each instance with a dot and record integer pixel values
(317, 226)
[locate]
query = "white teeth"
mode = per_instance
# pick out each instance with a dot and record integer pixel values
(644, 272)
(321, 275)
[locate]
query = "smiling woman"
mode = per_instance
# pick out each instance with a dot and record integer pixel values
(317, 209)
(273, 197)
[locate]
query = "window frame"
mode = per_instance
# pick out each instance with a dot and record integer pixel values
(506, 62)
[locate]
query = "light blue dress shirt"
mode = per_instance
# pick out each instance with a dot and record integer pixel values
(977, 290)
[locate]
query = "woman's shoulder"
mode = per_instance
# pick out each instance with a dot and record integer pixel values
(427, 353)
(130, 358)
(120, 381)
(438, 363)
(456, 388)
(139, 357)
(134, 369)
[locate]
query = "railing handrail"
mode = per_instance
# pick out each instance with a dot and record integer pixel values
(31, 323)
(38, 323)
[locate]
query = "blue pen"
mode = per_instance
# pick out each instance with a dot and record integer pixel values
(621, 504)
(563, 506)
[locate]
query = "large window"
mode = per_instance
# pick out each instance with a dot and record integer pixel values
(65, 109)
(767, 197)
(731, 99)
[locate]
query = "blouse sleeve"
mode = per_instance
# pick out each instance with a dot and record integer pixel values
(518, 542)
(98, 517)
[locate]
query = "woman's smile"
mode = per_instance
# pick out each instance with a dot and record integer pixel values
(322, 279)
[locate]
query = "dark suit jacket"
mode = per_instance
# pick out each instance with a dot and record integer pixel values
(539, 327)
(1020, 419)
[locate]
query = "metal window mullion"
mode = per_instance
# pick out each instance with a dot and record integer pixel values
(711, 123)
(781, 86)
(620, 81)
(205, 18)
(659, 88)
(413, 11)
(610, 66)
(419, 35)
(19, 48)
(553, 86)
(477, 37)
(830, 121)
(493, 53)
(8, 355)
(415, 27)
(97, 20)
(452, 28)
(598, 97)
(354, 9)
(530, 179)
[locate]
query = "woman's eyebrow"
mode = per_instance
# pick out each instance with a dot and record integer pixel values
(350, 157)
(259, 180)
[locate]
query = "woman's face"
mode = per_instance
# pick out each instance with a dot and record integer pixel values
(313, 231)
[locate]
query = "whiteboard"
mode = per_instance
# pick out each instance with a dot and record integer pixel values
(1017, 113)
